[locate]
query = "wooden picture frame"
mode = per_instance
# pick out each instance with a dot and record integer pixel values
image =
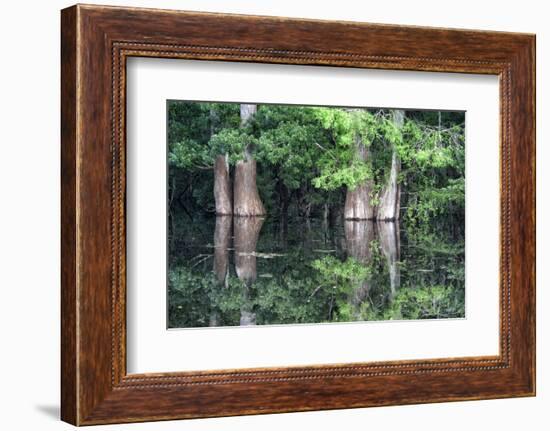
(95, 43)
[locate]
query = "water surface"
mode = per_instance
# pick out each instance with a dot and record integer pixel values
(231, 271)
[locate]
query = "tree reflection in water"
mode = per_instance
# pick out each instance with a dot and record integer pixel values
(230, 271)
(247, 231)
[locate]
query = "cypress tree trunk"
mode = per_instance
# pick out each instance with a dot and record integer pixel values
(247, 200)
(248, 110)
(390, 195)
(222, 179)
(222, 186)
(358, 201)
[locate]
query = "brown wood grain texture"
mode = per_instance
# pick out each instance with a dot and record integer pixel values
(95, 43)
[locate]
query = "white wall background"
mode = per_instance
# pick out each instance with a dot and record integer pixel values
(29, 214)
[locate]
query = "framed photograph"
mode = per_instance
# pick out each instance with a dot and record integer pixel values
(264, 214)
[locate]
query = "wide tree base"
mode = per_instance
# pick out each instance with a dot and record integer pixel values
(358, 206)
(247, 200)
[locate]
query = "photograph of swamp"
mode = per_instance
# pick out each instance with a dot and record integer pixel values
(287, 214)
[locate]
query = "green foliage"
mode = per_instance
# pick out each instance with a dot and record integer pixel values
(339, 163)
(189, 154)
(309, 156)
(428, 302)
(288, 142)
(433, 168)
(432, 202)
(232, 142)
(189, 298)
(349, 176)
(335, 272)
(191, 125)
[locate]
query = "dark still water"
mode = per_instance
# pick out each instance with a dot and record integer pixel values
(231, 271)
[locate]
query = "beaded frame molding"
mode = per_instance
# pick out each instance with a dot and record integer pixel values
(95, 43)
